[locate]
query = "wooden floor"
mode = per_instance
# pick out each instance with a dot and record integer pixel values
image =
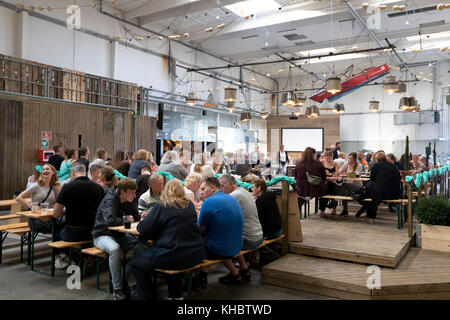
(352, 239)
(421, 274)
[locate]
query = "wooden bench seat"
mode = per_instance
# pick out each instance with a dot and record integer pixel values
(20, 231)
(207, 263)
(67, 244)
(12, 226)
(9, 216)
(94, 251)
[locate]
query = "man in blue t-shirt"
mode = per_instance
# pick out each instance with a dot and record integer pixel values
(221, 222)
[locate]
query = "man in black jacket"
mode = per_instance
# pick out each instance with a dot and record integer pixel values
(56, 159)
(115, 205)
(384, 185)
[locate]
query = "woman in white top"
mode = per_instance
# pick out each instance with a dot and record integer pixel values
(45, 190)
(351, 166)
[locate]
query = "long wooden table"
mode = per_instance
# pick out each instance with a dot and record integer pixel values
(47, 217)
(122, 229)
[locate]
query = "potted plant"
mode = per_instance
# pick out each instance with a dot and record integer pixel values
(433, 229)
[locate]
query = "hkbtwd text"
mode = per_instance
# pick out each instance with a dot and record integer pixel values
(228, 309)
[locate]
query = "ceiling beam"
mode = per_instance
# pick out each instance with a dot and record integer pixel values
(157, 10)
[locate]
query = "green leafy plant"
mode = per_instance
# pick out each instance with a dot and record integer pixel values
(434, 210)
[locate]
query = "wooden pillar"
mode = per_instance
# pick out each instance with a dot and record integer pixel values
(410, 220)
(284, 216)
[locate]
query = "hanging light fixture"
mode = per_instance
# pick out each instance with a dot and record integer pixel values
(288, 99)
(401, 87)
(374, 106)
(210, 101)
(333, 85)
(404, 103)
(308, 112)
(297, 112)
(413, 105)
(315, 112)
(230, 106)
(300, 100)
(191, 99)
(246, 116)
(230, 94)
(390, 85)
(264, 115)
(338, 108)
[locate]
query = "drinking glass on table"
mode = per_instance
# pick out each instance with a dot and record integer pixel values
(127, 220)
(35, 207)
(44, 207)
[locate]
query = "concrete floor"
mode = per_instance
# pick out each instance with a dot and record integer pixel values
(18, 282)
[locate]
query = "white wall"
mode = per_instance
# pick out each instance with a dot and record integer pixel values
(8, 29)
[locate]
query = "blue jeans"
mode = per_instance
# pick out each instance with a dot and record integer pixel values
(115, 252)
(110, 246)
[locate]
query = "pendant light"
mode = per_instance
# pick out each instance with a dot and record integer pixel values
(264, 115)
(191, 99)
(404, 104)
(289, 98)
(230, 94)
(315, 112)
(210, 101)
(308, 112)
(300, 100)
(374, 106)
(333, 85)
(246, 116)
(230, 106)
(390, 85)
(338, 108)
(401, 87)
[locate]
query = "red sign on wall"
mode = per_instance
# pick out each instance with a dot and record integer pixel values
(46, 135)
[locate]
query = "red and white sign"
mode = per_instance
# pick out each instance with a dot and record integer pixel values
(46, 135)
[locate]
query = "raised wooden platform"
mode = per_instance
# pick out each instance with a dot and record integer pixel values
(422, 274)
(352, 239)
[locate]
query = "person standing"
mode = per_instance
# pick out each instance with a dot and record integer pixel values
(83, 154)
(307, 189)
(336, 149)
(282, 160)
(56, 159)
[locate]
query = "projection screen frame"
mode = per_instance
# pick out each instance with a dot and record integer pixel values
(323, 138)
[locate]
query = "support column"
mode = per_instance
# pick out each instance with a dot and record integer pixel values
(113, 57)
(22, 39)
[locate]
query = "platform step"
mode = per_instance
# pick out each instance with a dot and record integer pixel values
(422, 274)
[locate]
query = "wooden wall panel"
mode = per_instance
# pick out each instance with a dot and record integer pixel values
(330, 123)
(23, 119)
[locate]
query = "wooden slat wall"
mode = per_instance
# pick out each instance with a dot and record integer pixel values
(23, 119)
(330, 123)
(146, 136)
(10, 155)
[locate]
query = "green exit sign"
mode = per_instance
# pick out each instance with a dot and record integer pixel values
(44, 144)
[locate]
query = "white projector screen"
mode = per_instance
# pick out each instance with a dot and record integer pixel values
(297, 140)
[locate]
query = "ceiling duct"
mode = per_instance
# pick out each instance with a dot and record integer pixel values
(413, 11)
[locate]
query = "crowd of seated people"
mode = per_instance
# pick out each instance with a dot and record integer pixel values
(193, 215)
(206, 218)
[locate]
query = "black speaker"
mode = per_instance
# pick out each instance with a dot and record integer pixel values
(204, 113)
(159, 122)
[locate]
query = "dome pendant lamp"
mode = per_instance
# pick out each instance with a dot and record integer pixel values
(333, 85)
(374, 106)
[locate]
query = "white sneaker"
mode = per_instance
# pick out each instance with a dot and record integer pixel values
(61, 262)
(370, 221)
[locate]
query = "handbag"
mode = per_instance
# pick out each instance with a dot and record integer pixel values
(362, 193)
(312, 179)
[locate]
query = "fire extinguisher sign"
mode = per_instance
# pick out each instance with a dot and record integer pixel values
(45, 135)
